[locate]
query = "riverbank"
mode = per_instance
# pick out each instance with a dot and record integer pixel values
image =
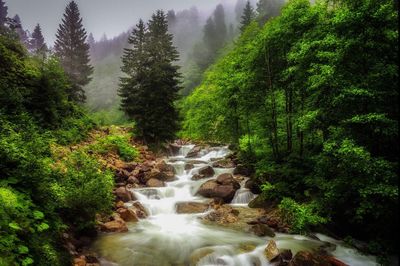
(198, 193)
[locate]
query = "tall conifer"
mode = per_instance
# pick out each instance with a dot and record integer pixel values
(247, 17)
(73, 52)
(36, 43)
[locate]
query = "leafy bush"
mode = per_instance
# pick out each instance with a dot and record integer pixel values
(117, 143)
(82, 189)
(300, 217)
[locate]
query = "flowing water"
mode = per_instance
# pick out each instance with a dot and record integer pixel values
(167, 238)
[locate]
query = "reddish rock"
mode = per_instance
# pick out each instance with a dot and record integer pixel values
(227, 179)
(128, 215)
(115, 226)
(305, 258)
(194, 152)
(262, 230)
(132, 180)
(123, 194)
(81, 261)
(224, 163)
(139, 210)
(152, 182)
(191, 207)
(212, 189)
(189, 166)
(206, 171)
(198, 177)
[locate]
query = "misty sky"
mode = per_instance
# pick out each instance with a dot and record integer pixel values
(99, 16)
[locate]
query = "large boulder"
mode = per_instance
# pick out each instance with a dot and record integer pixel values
(173, 148)
(194, 152)
(227, 179)
(223, 187)
(191, 207)
(224, 163)
(123, 194)
(223, 214)
(153, 182)
(167, 170)
(206, 171)
(139, 210)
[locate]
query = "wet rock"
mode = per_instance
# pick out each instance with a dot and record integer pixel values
(128, 215)
(206, 171)
(227, 179)
(224, 163)
(223, 214)
(197, 177)
(198, 254)
(260, 202)
(246, 247)
(196, 162)
(191, 207)
(271, 252)
(194, 152)
(140, 211)
(285, 255)
(253, 186)
(212, 189)
(115, 226)
(189, 166)
(167, 170)
(173, 148)
(305, 258)
(262, 230)
(123, 194)
(152, 182)
(242, 170)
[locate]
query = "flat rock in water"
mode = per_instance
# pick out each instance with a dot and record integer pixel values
(191, 207)
(152, 182)
(262, 230)
(206, 171)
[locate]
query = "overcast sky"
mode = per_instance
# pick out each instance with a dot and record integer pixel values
(99, 16)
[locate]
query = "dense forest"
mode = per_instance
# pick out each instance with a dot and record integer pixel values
(310, 100)
(304, 93)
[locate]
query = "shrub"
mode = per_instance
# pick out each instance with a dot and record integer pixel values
(300, 217)
(118, 143)
(82, 189)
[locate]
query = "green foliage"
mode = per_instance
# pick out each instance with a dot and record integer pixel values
(300, 217)
(35, 113)
(310, 99)
(150, 85)
(117, 143)
(82, 189)
(108, 117)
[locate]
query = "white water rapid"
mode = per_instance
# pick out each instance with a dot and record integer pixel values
(167, 238)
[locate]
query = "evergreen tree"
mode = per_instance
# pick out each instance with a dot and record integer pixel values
(247, 17)
(3, 13)
(36, 43)
(239, 7)
(267, 9)
(22, 34)
(220, 26)
(151, 84)
(73, 51)
(162, 116)
(132, 87)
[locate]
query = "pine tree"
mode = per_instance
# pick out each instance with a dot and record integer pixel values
(3, 13)
(36, 43)
(164, 80)
(220, 26)
(267, 9)
(151, 83)
(132, 87)
(247, 17)
(73, 51)
(22, 34)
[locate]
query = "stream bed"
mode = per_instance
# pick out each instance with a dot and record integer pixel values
(167, 238)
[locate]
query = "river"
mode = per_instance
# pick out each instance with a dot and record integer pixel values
(167, 238)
